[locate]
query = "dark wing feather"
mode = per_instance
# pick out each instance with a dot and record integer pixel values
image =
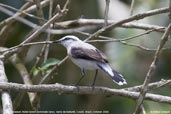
(88, 54)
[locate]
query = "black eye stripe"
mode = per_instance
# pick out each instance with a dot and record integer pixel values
(69, 39)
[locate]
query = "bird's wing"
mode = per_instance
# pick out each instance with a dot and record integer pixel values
(88, 54)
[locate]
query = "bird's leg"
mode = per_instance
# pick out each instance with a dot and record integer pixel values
(83, 72)
(83, 75)
(95, 78)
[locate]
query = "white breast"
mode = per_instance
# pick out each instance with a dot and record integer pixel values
(85, 63)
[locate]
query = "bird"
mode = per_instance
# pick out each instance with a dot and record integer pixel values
(88, 57)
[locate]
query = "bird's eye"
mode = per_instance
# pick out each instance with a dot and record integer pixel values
(66, 38)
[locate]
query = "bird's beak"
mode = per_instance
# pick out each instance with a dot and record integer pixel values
(57, 41)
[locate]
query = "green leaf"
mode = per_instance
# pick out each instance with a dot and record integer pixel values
(48, 63)
(35, 71)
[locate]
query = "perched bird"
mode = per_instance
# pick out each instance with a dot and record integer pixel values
(86, 56)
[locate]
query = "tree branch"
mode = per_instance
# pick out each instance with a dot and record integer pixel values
(15, 60)
(37, 32)
(132, 7)
(98, 22)
(5, 96)
(132, 18)
(24, 13)
(28, 10)
(39, 11)
(106, 13)
(151, 86)
(152, 69)
(61, 89)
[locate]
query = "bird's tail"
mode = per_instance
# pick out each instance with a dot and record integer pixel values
(116, 77)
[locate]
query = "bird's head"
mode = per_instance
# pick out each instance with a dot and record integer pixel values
(67, 40)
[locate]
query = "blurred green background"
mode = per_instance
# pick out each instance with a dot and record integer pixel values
(132, 62)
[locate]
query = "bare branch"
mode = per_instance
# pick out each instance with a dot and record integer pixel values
(143, 110)
(140, 92)
(25, 13)
(5, 96)
(39, 11)
(98, 22)
(40, 14)
(132, 7)
(151, 86)
(132, 18)
(6, 24)
(49, 35)
(83, 24)
(46, 49)
(46, 77)
(24, 74)
(58, 15)
(106, 13)
(28, 10)
(7, 27)
(170, 9)
(61, 89)
(152, 69)
(66, 4)
(123, 40)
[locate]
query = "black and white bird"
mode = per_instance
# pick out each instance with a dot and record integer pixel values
(86, 56)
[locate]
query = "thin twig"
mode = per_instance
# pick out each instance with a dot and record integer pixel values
(37, 32)
(49, 74)
(152, 69)
(143, 110)
(109, 39)
(66, 4)
(42, 56)
(46, 77)
(22, 12)
(39, 11)
(98, 22)
(123, 40)
(48, 35)
(132, 7)
(83, 24)
(132, 18)
(106, 13)
(151, 86)
(134, 25)
(4, 31)
(26, 44)
(28, 10)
